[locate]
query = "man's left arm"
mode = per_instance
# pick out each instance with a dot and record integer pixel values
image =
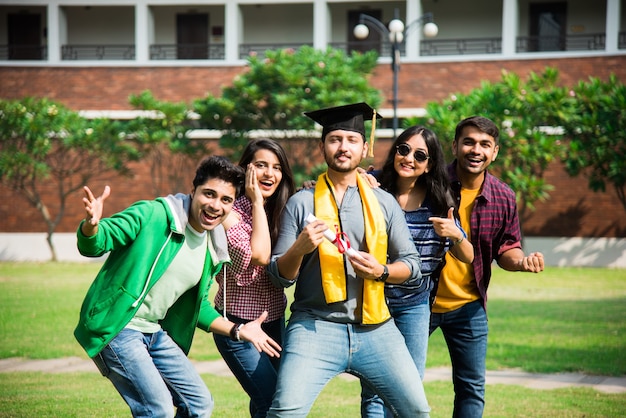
(515, 260)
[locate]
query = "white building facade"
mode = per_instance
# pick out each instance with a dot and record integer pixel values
(211, 32)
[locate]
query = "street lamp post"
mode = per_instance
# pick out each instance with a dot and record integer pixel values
(396, 32)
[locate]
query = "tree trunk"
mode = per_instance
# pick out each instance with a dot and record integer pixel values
(51, 246)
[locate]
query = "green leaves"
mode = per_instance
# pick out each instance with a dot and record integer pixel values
(529, 113)
(274, 92)
(597, 133)
(44, 144)
(541, 122)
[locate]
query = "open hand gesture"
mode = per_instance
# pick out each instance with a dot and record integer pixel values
(252, 332)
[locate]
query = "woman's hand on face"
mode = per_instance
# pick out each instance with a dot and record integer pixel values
(253, 192)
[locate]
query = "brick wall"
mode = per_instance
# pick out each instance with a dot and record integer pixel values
(108, 88)
(572, 210)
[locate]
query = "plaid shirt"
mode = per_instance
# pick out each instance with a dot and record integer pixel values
(249, 291)
(494, 225)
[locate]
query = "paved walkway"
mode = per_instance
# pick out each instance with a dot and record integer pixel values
(603, 384)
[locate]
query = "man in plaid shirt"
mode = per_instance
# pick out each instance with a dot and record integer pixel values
(488, 213)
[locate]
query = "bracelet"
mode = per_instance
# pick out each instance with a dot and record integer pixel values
(234, 332)
(458, 241)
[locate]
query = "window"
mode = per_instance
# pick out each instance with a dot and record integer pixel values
(25, 36)
(192, 36)
(547, 26)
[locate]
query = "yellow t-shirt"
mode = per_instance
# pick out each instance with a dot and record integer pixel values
(457, 285)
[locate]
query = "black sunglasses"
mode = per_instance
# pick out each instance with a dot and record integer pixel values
(405, 149)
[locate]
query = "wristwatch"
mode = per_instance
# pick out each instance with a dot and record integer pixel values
(383, 277)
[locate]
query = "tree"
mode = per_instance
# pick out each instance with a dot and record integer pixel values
(597, 135)
(274, 92)
(526, 112)
(46, 145)
(161, 138)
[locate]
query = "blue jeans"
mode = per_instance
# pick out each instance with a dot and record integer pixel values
(256, 372)
(315, 351)
(413, 322)
(465, 331)
(154, 376)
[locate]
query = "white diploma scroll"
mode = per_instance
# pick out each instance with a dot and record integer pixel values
(333, 239)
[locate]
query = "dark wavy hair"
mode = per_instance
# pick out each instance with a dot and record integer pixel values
(221, 168)
(274, 204)
(435, 181)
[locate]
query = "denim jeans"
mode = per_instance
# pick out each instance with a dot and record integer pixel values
(413, 322)
(256, 372)
(315, 351)
(154, 376)
(465, 331)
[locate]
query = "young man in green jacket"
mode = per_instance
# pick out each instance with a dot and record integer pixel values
(139, 315)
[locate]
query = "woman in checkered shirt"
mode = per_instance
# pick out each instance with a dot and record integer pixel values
(251, 227)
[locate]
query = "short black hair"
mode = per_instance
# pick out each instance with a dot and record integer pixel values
(221, 168)
(481, 123)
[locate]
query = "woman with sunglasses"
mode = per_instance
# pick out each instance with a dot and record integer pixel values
(415, 173)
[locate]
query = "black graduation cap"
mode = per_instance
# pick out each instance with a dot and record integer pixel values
(348, 118)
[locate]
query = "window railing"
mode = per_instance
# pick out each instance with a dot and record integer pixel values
(97, 52)
(245, 50)
(187, 51)
(23, 52)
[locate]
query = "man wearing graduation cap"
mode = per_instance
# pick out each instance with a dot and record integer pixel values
(340, 321)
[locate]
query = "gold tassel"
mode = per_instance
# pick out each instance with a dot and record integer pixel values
(370, 152)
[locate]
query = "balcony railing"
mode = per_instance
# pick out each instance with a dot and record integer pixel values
(245, 50)
(383, 48)
(621, 42)
(436, 47)
(431, 47)
(23, 52)
(97, 52)
(187, 51)
(590, 42)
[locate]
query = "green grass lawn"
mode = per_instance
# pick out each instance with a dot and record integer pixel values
(562, 320)
(90, 395)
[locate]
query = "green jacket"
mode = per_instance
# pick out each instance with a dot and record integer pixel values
(142, 241)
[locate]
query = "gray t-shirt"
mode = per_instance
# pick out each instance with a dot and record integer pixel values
(309, 296)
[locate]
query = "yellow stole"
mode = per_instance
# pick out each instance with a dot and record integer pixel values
(374, 309)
